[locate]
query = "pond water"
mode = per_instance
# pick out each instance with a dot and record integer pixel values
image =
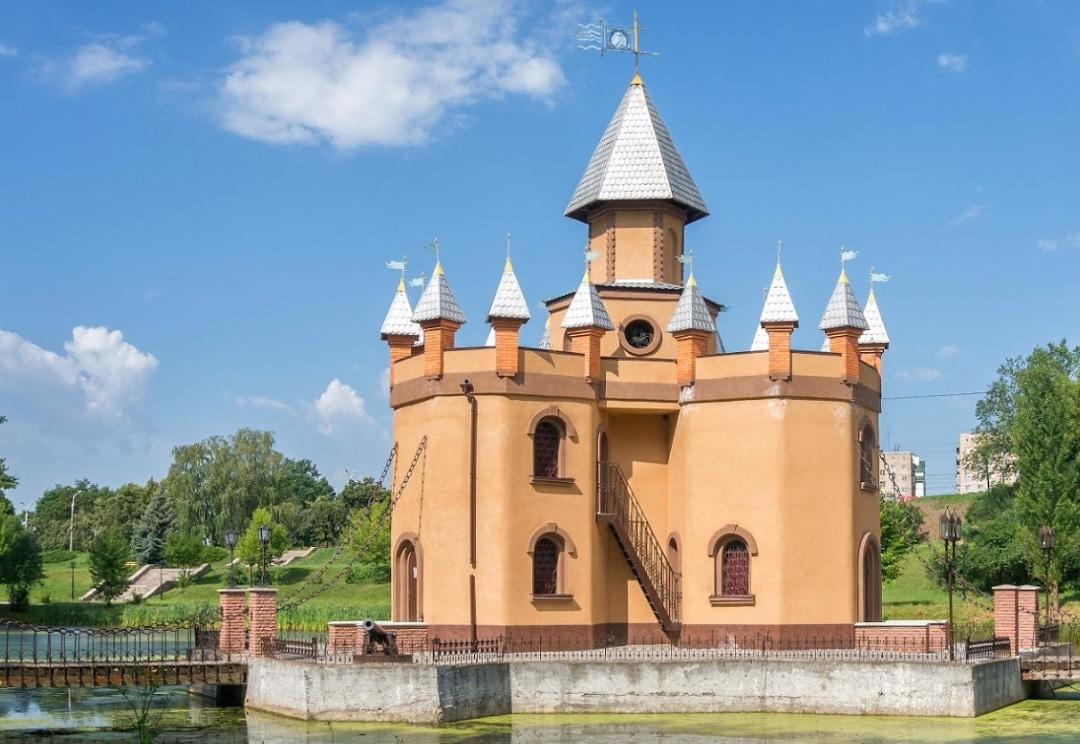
(105, 715)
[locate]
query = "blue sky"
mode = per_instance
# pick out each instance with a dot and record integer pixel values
(197, 200)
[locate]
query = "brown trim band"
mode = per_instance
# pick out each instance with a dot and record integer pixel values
(564, 387)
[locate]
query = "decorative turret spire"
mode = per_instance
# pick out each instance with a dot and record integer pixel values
(691, 313)
(490, 340)
(587, 309)
(398, 320)
(636, 159)
(779, 307)
(545, 340)
(778, 321)
(509, 300)
(761, 339)
(874, 340)
(508, 312)
(440, 316)
(843, 322)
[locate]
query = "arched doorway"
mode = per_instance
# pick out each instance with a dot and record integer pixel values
(407, 582)
(869, 580)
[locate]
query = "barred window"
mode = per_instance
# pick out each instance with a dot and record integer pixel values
(734, 559)
(546, 566)
(547, 439)
(867, 455)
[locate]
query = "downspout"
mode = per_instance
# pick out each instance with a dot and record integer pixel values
(467, 389)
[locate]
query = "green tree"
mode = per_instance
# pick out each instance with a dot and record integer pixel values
(108, 556)
(371, 537)
(359, 494)
(121, 509)
(7, 481)
(183, 550)
(324, 521)
(300, 482)
(901, 530)
(155, 523)
(20, 561)
(52, 514)
(993, 550)
(249, 548)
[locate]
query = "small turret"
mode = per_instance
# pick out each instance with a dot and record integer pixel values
(843, 323)
(440, 316)
(875, 339)
(691, 324)
(586, 321)
(508, 313)
(398, 329)
(545, 339)
(779, 320)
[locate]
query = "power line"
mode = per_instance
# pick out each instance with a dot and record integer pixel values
(935, 395)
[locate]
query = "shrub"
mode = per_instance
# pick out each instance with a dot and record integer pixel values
(58, 556)
(214, 554)
(368, 573)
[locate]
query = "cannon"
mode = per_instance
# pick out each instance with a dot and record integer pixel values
(379, 640)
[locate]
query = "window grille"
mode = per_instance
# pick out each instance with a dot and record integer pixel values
(735, 569)
(866, 455)
(545, 567)
(546, 440)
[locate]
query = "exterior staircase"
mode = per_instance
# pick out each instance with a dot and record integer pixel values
(619, 509)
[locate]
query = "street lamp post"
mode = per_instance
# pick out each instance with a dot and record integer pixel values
(949, 526)
(264, 542)
(71, 523)
(230, 543)
(1046, 542)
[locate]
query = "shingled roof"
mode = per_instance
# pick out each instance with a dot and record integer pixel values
(438, 301)
(509, 300)
(691, 313)
(587, 309)
(876, 333)
(843, 310)
(636, 159)
(398, 320)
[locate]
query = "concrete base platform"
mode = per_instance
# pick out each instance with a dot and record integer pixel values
(423, 693)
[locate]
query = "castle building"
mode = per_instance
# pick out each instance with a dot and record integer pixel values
(626, 479)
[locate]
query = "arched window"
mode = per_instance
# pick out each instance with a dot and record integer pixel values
(546, 559)
(547, 446)
(732, 549)
(733, 569)
(867, 458)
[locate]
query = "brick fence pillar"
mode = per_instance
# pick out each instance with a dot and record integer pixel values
(231, 635)
(341, 637)
(1005, 615)
(262, 609)
(1027, 617)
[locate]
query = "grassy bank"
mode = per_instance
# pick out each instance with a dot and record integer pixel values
(51, 605)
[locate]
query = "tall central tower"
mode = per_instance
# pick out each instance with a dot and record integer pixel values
(636, 197)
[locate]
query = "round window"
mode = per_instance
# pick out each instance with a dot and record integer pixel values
(639, 334)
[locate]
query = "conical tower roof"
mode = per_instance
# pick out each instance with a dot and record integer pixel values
(586, 309)
(490, 340)
(438, 301)
(636, 159)
(761, 339)
(876, 333)
(398, 320)
(779, 307)
(691, 313)
(545, 340)
(843, 310)
(509, 300)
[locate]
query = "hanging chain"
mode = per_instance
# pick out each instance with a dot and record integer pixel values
(306, 593)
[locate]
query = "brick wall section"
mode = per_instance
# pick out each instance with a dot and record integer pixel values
(349, 636)
(689, 346)
(587, 341)
(1027, 617)
(341, 637)
(438, 338)
(231, 605)
(506, 346)
(1005, 615)
(779, 349)
(262, 609)
(401, 347)
(916, 637)
(872, 354)
(845, 341)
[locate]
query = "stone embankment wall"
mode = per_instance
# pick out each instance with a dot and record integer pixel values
(422, 693)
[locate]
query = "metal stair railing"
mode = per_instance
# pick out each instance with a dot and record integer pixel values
(619, 508)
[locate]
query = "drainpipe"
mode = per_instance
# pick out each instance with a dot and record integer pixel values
(467, 389)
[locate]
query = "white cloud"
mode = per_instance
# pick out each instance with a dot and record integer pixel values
(97, 64)
(8, 51)
(1047, 245)
(969, 214)
(108, 374)
(262, 401)
(901, 15)
(397, 84)
(952, 62)
(921, 374)
(338, 404)
(947, 351)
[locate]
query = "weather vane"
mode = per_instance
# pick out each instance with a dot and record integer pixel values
(876, 277)
(433, 246)
(687, 259)
(845, 256)
(589, 255)
(508, 238)
(605, 38)
(398, 266)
